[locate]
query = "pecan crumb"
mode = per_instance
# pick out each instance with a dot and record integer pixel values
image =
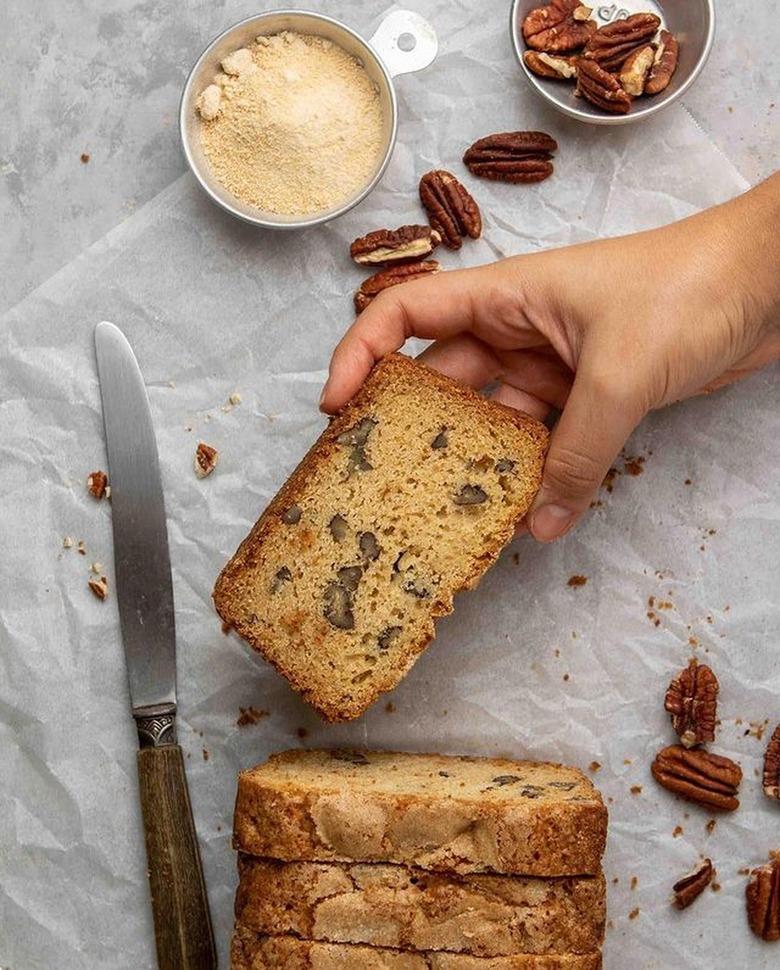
(634, 913)
(634, 882)
(677, 832)
(771, 774)
(81, 549)
(99, 587)
(594, 766)
(302, 733)
(577, 580)
(205, 754)
(389, 708)
(96, 484)
(710, 826)
(85, 156)
(633, 465)
(250, 715)
(67, 543)
(206, 459)
(636, 789)
(692, 885)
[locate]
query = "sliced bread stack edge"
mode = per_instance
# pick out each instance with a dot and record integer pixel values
(397, 860)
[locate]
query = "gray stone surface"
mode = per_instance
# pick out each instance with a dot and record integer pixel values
(103, 77)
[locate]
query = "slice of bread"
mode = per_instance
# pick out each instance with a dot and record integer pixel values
(250, 951)
(414, 909)
(453, 814)
(406, 498)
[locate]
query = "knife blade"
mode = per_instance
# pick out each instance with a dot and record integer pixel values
(182, 922)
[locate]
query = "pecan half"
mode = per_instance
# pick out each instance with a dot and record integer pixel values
(611, 44)
(664, 65)
(692, 700)
(762, 896)
(699, 776)
(636, 69)
(99, 587)
(601, 88)
(452, 211)
(563, 25)
(206, 459)
(691, 886)
(771, 779)
(373, 286)
(512, 156)
(386, 246)
(561, 67)
(97, 484)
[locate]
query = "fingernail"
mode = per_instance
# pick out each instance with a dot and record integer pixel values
(551, 522)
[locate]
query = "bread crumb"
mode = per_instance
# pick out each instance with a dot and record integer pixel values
(67, 543)
(678, 831)
(594, 766)
(577, 580)
(250, 715)
(389, 708)
(636, 789)
(710, 826)
(97, 483)
(81, 548)
(516, 558)
(628, 761)
(688, 482)
(616, 880)
(715, 887)
(634, 882)
(565, 678)
(235, 398)
(96, 567)
(302, 733)
(85, 156)
(634, 913)
(205, 755)
(634, 465)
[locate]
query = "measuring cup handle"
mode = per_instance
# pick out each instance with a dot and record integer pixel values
(423, 43)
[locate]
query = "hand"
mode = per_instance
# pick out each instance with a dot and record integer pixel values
(604, 332)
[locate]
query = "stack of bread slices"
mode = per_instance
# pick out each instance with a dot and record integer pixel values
(366, 859)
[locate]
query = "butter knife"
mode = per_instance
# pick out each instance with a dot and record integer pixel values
(182, 924)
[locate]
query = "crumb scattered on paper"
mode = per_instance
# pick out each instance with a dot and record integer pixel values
(250, 715)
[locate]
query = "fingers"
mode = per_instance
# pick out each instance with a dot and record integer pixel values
(521, 401)
(464, 359)
(599, 416)
(480, 300)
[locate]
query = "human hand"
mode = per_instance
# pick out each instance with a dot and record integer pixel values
(604, 332)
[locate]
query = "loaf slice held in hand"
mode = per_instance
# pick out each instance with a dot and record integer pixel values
(251, 951)
(437, 812)
(406, 498)
(415, 909)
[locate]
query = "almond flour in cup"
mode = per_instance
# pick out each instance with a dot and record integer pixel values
(292, 124)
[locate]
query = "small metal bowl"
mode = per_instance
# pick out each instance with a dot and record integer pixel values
(404, 42)
(691, 21)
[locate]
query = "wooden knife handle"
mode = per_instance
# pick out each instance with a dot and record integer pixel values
(182, 924)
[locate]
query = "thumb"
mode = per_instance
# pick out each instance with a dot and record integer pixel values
(599, 416)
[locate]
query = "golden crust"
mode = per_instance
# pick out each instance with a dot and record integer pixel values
(413, 909)
(250, 951)
(437, 812)
(229, 594)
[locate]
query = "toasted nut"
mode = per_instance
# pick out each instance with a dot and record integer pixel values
(611, 44)
(373, 286)
(635, 69)
(560, 67)
(762, 896)
(601, 88)
(470, 495)
(338, 527)
(691, 886)
(99, 587)
(451, 209)
(369, 547)
(387, 246)
(771, 779)
(292, 515)
(692, 701)
(357, 438)
(206, 459)
(559, 26)
(387, 636)
(699, 776)
(282, 576)
(512, 156)
(440, 441)
(664, 63)
(96, 484)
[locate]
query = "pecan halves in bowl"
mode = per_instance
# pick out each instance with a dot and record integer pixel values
(452, 211)
(512, 156)
(692, 701)
(636, 70)
(601, 88)
(561, 67)
(664, 63)
(387, 246)
(563, 25)
(771, 779)
(610, 45)
(762, 897)
(373, 286)
(699, 776)
(692, 885)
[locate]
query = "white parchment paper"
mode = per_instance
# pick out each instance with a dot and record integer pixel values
(528, 666)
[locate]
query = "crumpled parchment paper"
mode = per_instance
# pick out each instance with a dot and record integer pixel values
(528, 666)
